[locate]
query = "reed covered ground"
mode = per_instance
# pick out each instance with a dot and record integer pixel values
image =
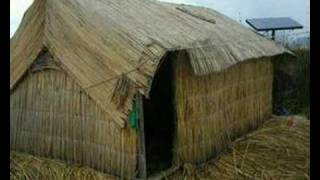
(27, 167)
(280, 149)
(277, 150)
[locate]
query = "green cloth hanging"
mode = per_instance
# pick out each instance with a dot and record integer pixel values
(134, 116)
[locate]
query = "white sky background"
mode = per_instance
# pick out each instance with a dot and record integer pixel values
(17, 9)
(299, 10)
(236, 9)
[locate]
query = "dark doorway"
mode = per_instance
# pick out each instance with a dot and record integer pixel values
(159, 116)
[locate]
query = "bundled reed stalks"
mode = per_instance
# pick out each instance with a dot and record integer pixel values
(214, 109)
(51, 116)
(23, 166)
(280, 149)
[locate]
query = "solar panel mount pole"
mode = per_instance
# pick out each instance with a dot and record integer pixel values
(273, 24)
(273, 34)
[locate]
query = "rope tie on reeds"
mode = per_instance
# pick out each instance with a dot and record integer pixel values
(116, 77)
(121, 91)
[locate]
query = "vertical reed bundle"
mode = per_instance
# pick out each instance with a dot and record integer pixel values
(50, 116)
(214, 109)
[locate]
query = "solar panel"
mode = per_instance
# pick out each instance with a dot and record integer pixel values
(281, 23)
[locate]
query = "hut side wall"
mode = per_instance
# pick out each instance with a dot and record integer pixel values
(216, 108)
(51, 116)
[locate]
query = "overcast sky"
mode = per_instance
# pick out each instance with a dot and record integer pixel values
(17, 8)
(236, 9)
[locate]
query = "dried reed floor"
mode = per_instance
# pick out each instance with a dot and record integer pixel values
(278, 150)
(27, 167)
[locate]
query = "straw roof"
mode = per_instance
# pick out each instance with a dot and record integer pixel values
(100, 43)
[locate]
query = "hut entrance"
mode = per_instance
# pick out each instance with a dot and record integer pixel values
(159, 120)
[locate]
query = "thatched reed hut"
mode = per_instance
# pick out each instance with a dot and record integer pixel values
(121, 85)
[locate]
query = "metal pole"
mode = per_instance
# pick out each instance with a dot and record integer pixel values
(273, 34)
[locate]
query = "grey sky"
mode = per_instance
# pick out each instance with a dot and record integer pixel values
(17, 9)
(236, 9)
(244, 9)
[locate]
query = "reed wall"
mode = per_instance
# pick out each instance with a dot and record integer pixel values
(214, 109)
(51, 116)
